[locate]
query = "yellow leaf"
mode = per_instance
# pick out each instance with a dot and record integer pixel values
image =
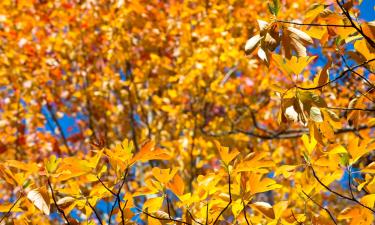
(237, 207)
(256, 163)
(316, 32)
(314, 11)
(279, 208)
(225, 155)
(52, 163)
(356, 214)
(149, 152)
(258, 185)
(369, 168)
(285, 170)
(295, 65)
(164, 175)
(368, 200)
(8, 176)
(309, 143)
(153, 221)
(30, 167)
(337, 150)
(177, 185)
(357, 150)
(153, 204)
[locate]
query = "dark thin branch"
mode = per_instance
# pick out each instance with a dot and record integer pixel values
(343, 74)
(95, 212)
(59, 127)
(131, 108)
(352, 109)
(230, 199)
(356, 73)
(350, 182)
(244, 213)
(294, 217)
(118, 199)
(313, 24)
(118, 195)
(169, 212)
(206, 212)
(192, 217)
(283, 134)
(358, 29)
(321, 207)
(105, 186)
(338, 194)
(192, 158)
(55, 202)
(10, 209)
(111, 213)
(162, 219)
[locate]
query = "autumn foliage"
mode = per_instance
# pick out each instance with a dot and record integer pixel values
(186, 112)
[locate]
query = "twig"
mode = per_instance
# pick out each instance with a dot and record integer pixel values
(313, 24)
(294, 217)
(244, 213)
(118, 199)
(59, 127)
(10, 209)
(169, 212)
(55, 202)
(358, 29)
(321, 207)
(162, 219)
(338, 194)
(350, 182)
(344, 73)
(286, 134)
(191, 216)
(352, 109)
(105, 186)
(206, 212)
(230, 199)
(96, 213)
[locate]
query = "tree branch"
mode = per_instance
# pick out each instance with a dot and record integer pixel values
(95, 212)
(55, 202)
(321, 207)
(344, 73)
(313, 24)
(10, 209)
(286, 134)
(118, 199)
(358, 29)
(353, 199)
(162, 219)
(230, 199)
(59, 127)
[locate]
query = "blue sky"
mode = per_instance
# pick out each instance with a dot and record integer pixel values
(367, 10)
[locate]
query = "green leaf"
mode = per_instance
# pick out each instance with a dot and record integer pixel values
(277, 6)
(271, 9)
(274, 7)
(344, 160)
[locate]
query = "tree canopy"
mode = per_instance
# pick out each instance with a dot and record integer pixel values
(187, 112)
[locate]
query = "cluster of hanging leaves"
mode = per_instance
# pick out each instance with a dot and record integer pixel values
(186, 112)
